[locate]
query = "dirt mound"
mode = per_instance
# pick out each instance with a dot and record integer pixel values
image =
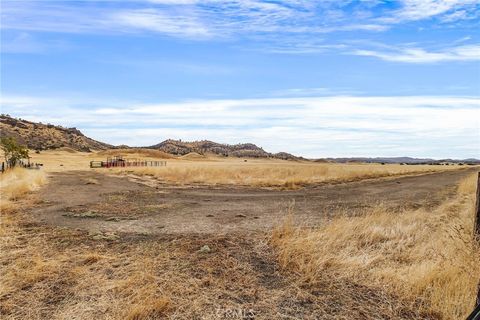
(39, 136)
(138, 151)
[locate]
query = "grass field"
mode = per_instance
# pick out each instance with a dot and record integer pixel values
(428, 259)
(275, 173)
(414, 263)
(211, 170)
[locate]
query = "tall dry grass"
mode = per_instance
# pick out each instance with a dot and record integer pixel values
(426, 258)
(136, 152)
(17, 182)
(275, 174)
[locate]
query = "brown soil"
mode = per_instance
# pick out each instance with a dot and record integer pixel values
(142, 205)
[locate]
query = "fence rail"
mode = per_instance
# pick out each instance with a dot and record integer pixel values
(7, 166)
(120, 164)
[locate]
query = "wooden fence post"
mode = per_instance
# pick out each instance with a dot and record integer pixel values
(477, 211)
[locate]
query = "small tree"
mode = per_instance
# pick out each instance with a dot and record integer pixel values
(13, 151)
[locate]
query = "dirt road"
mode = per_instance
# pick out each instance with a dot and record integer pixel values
(103, 203)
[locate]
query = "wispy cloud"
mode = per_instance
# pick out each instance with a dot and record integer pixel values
(447, 10)
(189, 18)
(93, 17)
(419, 55)
(154, 20)
(434, 126)
(282, 27)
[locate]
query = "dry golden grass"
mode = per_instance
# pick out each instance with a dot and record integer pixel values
(66, 159)
(231, 171)
(137, 152)
(468, 186)
(17, 182)
(62, 160)
(150, 308)
(273, 173)
(425, 258)
(61, 273)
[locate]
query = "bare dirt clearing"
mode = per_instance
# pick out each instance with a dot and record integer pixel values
(139, 205)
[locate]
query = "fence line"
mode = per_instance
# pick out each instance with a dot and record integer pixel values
(7, 166)
(126, 163)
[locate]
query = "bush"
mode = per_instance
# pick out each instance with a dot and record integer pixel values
(13, 151)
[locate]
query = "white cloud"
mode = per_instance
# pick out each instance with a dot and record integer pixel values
(174, 2)
(187, 18)
(419, 55)
(414, 10)
(433, 126)
(162, 22)
(283, 27)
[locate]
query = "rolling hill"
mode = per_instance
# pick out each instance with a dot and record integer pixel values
(242, 150)
(39, 136)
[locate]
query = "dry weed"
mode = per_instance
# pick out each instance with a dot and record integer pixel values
(16, 183)
(426, 258)
(292, 175)
(468, 186)
(137, 152)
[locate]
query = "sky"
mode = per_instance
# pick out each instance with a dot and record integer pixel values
(331, 78)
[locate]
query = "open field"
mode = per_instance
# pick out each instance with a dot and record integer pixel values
(116, 245)
(141, 204)
(277, 174)
(214, 170)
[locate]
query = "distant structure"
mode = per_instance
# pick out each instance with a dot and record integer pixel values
(121, 161)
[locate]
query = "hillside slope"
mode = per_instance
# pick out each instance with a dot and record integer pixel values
(179, 147)
(40, 136)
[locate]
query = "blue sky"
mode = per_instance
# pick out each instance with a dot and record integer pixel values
(315, 78)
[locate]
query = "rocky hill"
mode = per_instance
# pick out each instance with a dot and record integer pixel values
(40, 136)
(242, 150)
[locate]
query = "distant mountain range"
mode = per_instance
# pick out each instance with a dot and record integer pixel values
(39, 136)
(406, 160)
